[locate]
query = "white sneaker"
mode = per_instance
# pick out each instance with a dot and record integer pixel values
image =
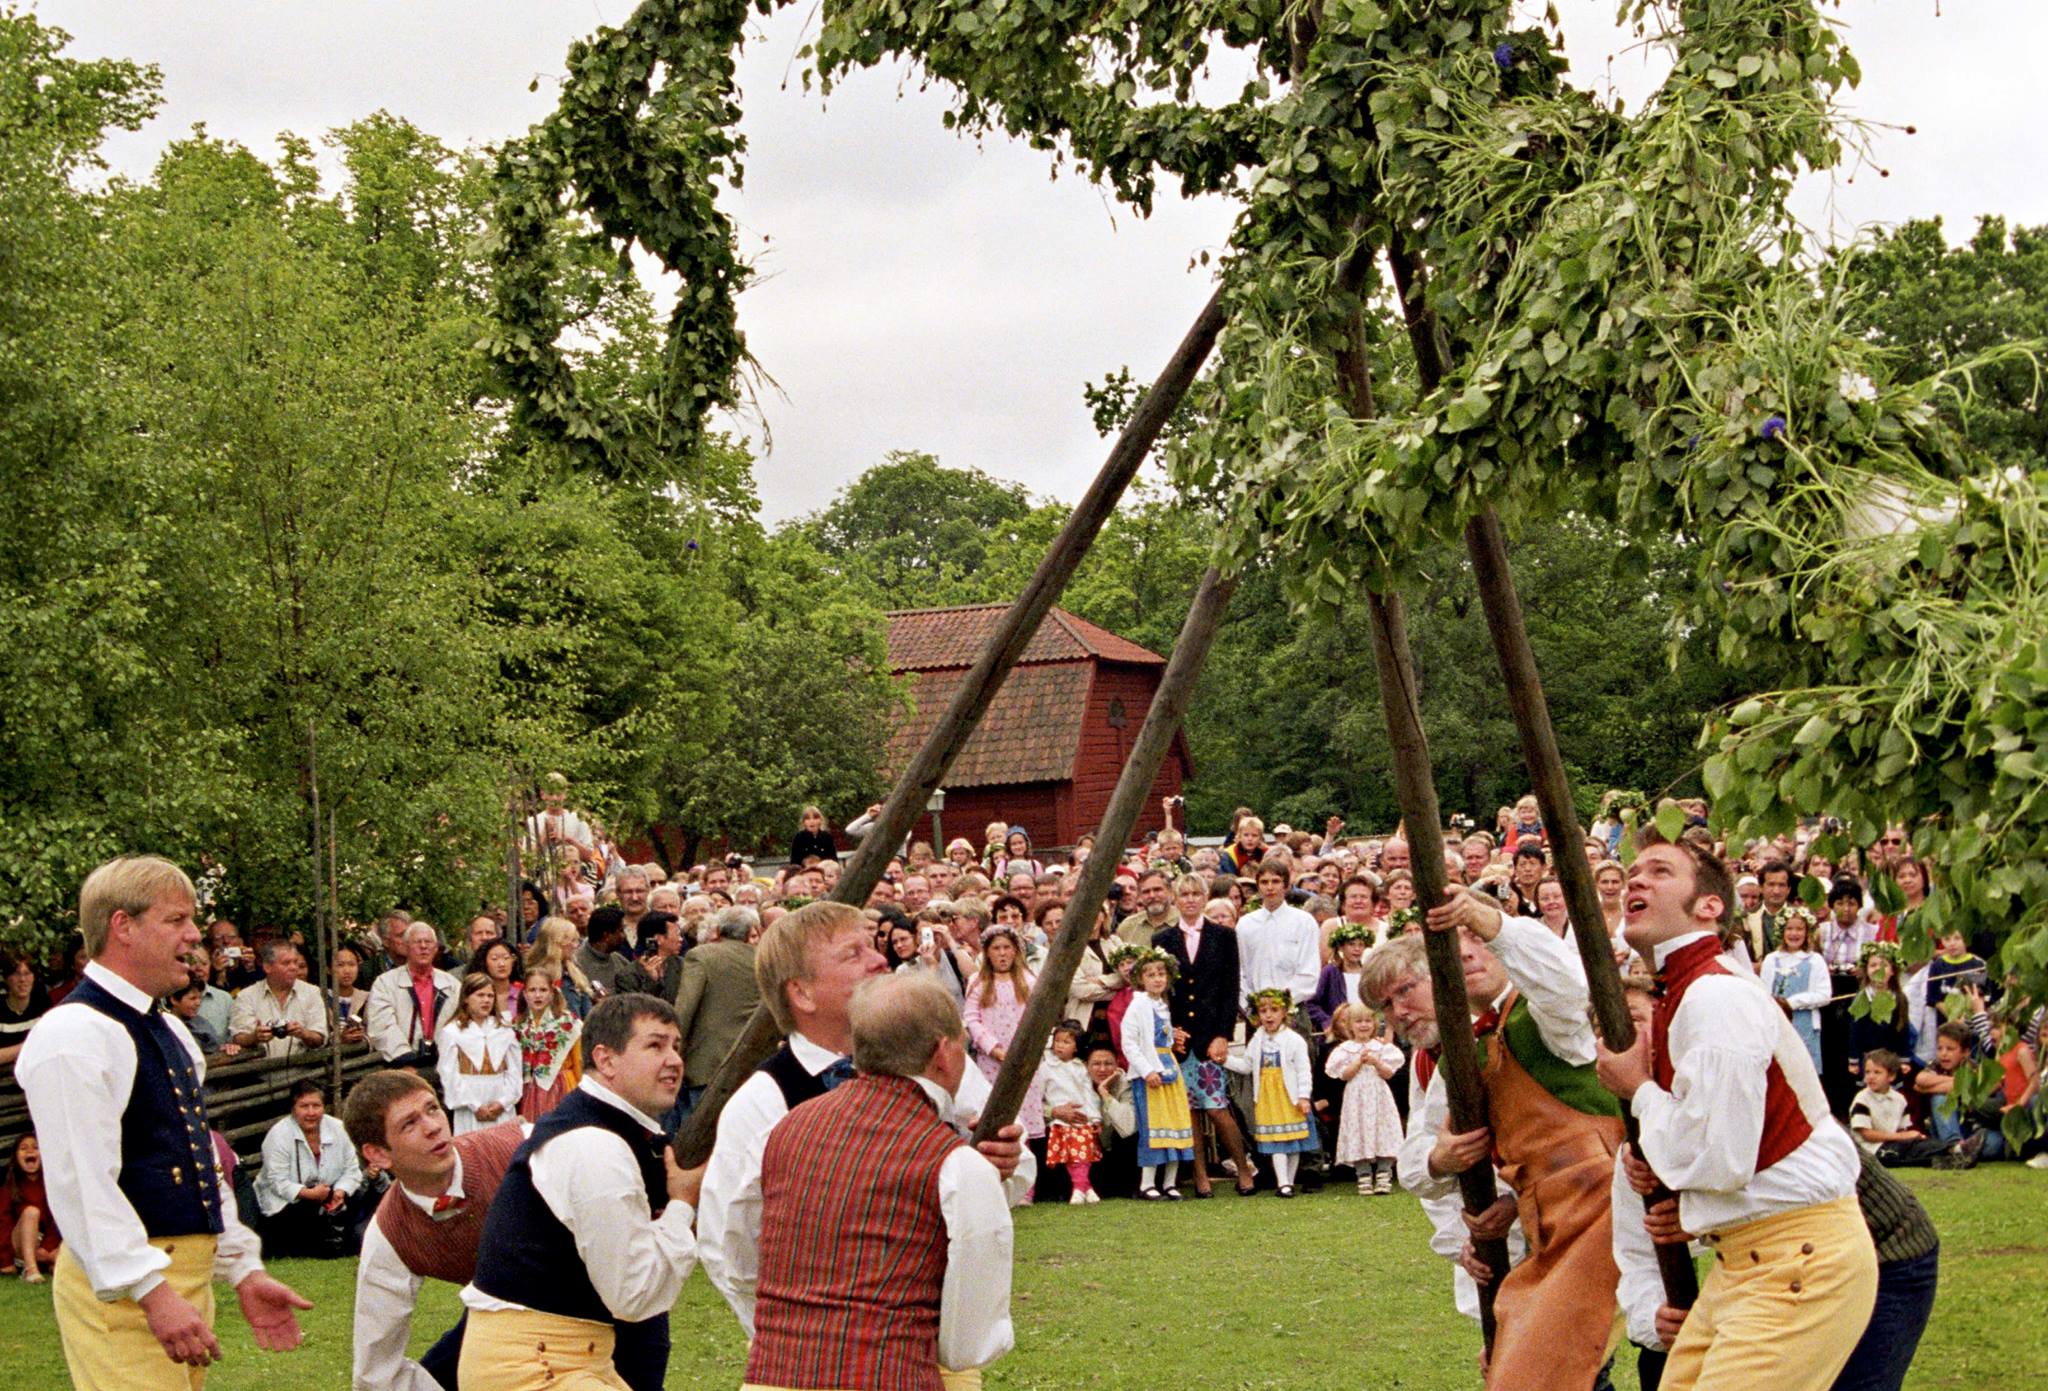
(2039, 1161)
(1093, 1196)
(1079, 1199)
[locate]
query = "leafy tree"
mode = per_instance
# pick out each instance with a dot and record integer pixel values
(918, 533)
(1936, 306)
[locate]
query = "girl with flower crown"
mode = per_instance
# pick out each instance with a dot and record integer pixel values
(1880, 1018)
(1166, 1131)
(1277, 1059)
(1338, 984)
(1796, 974)
(1369, 1125)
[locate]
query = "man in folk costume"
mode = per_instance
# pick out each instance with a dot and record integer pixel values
(808, 965)
(885, 1238)
(113, 1084)
(590, 1227)
(1395, 979)
(1735, 1122)
(429, 1226)
(1553, 1130)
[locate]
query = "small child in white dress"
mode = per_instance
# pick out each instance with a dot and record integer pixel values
(1369, 1127)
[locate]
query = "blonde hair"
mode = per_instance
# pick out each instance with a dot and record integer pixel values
(898, 1020)
(1344, 1022)
(130, 884)
(784, 951)
(1020, 980)
(556, 1005)
(549, 952)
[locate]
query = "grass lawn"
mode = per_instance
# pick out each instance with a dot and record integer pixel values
(1328, 1291)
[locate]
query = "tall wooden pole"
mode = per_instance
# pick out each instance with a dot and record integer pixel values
(1487, 547)
(332, 944)
(926, 772)
(1133, 791)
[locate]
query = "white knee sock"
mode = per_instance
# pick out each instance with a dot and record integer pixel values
(1168, 1172)
(1147, 1174)
(1283, 1169)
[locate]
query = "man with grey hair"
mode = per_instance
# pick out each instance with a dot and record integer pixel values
(717, 996)
(410, 1002)
(885, 1237)
(281, 1009)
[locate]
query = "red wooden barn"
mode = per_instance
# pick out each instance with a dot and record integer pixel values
(1053, 743)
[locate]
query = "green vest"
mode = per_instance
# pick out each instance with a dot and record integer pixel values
(1575, 1084)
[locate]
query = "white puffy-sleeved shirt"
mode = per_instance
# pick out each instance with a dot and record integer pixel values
(1702, 1135)
(77, 1070)
(729, 1209)
(1279, 949)
(589, 1179)
(1440, 1199)
(1641, 1292)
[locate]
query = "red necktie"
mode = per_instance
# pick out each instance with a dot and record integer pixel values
(449, 1205)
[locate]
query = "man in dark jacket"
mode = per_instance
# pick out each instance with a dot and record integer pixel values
(1204, 1008)
(715, 998)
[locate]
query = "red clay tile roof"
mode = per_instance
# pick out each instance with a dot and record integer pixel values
(936, 639)
(1031, 732)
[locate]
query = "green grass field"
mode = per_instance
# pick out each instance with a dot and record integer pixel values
(1329, 1291)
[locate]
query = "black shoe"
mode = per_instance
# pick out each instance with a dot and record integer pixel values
(1205, 1192)
(1150, 1195)
(1285, 1190)
(1172, 1195)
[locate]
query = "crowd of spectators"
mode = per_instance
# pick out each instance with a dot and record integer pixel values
(491, 1010)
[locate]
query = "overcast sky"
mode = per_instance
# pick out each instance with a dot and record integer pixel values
(919, 292)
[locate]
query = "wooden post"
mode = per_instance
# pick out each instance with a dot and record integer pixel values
(320, 926)
(1119, 819)
(1486, 546)
(1415, 789)
(927, 770)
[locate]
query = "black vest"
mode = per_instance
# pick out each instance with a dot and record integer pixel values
(526, 1255)
(797, 1083)
(168, 1172)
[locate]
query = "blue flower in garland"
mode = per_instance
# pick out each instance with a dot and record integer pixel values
(1774, 428)
(1504, 54)
(689, 545)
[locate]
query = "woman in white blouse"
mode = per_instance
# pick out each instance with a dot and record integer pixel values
(481, 1078)
(309, 1177)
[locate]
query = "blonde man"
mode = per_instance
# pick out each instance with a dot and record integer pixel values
(808, 965)
(115, 1087)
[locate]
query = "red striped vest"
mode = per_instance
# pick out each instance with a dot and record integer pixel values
(446, 1250)
(853, 1242)
(1785, 1125)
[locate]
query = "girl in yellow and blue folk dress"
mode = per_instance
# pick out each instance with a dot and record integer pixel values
(1277, 1059)
(1166, 1129)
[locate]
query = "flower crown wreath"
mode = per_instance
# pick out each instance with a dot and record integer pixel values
(1350, 932)
(1398, 920)
(1888, 950)
(1122, 952)
(1269, 997)
(1157, 956)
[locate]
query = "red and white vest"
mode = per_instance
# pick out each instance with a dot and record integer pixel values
(446, 1250)
(1786, 1127)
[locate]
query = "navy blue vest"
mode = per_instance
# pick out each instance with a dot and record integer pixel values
(527, 1256)
(796, 1082)
(168, 1172)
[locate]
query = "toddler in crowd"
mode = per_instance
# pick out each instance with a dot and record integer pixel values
(1277, 1059)
(1369, 1126)
(1073, 1135)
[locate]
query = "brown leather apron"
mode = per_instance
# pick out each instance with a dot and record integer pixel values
(1554, 1312)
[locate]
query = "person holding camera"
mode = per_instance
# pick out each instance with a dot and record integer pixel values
(409, 1003)
(280, 1010)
